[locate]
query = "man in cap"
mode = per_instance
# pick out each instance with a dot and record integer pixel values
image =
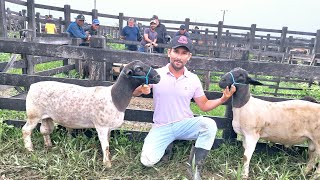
(149, 36)
(162, 33)
(182, 31)
(75, 29)
(173, 118)
(93, 28)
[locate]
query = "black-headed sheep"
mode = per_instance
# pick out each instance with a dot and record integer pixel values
(288, 122)
(76, 107)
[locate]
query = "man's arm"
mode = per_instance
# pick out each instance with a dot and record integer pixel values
(207, 105)
(77, 33)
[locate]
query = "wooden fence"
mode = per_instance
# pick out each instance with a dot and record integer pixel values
(215, 40)
(31, 51)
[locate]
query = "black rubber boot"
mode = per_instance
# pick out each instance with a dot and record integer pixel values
(168, 153)
(196, 162)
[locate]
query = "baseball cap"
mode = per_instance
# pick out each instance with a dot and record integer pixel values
(182, 27)
(80, 17)
(155, 17)
(180, 41)
(153, 21)
(96, 21)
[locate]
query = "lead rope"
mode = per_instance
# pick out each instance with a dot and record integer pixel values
(144, 77)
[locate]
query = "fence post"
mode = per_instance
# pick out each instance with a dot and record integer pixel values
(120, 23)
(31, 17)
(267, 43)
(98, 70)
(67, 16)
(187, 23)
(283, 39)
(24, 14)
(38, 24)
(219, 39)
(94, 14)
(61, 28)
(3, 23)
(252, 35)
(316, 43)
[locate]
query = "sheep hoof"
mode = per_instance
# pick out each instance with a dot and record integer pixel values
(245, 176)
(30, 149)
(107, 164)
(315, 176)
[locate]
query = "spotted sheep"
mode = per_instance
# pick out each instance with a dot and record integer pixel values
(78, 107)
(288, 122)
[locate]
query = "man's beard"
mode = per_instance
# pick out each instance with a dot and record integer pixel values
(175, 67)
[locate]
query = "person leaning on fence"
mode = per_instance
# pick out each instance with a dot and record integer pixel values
(93, 28)
(149, 37)
(131, 33)
(75, 29)
(50, 27)
(162, 33)
(182, 31)
(173, 118)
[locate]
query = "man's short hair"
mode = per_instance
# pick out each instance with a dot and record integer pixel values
(131, 20)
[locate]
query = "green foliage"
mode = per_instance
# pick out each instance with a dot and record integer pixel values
(12, 115)
(115, 46)
(4, 57)
(48, 65)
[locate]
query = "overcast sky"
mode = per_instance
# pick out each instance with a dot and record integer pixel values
(297, 15)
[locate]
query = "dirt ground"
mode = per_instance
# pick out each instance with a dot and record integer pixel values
(143, 104)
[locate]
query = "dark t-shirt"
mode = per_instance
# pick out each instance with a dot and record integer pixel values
(151, 35)
(130, 33)
(90, 30)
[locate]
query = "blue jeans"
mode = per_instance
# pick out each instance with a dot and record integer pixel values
(141, 49)
(201, 129)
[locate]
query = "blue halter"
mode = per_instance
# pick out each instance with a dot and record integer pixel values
(144, 77)
(234, 82)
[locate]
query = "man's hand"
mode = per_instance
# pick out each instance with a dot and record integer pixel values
(227, 93)
(145, 89)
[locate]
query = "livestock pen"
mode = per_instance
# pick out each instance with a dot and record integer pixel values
(80, 156)
(227, 141)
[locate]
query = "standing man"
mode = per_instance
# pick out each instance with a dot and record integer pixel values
(162, 32)
(130, 33)
(93, 28)
(183, 31)
(149, 36)
(173, 118)
(75, 29)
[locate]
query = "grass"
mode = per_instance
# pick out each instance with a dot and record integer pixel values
(81, 158)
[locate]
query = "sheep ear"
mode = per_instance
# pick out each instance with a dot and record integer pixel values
(137, 68)
(253, 81)
(128, 72)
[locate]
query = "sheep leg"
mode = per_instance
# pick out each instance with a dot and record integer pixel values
(104, 137)
(249, 144)
(46, 129)
(317, 161)
(27, 131)
(312, 157)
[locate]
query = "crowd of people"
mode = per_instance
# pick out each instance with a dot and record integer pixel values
(153, 35)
